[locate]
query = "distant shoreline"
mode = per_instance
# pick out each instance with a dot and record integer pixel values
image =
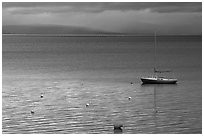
(95, 35)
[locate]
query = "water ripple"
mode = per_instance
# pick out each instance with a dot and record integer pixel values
(63, 110)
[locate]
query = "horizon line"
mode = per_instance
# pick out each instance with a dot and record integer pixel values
(97, 35)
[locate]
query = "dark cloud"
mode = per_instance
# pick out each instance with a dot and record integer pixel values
(63, 7)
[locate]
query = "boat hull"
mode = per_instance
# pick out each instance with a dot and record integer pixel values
(158, 81)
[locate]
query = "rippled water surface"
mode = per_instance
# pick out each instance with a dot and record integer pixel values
(70, 72)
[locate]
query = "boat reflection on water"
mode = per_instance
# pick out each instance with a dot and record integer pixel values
(156, 110)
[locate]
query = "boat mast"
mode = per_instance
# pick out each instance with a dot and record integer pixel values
(155, 42)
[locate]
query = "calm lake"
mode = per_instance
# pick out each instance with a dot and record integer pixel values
(71, 72)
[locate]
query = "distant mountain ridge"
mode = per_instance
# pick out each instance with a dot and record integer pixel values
(73, 30)
(49, 29)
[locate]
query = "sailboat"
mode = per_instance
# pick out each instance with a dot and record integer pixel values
(155, 79)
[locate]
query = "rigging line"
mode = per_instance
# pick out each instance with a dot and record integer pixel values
(155, 51)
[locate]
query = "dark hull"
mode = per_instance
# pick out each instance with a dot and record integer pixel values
(158, 81)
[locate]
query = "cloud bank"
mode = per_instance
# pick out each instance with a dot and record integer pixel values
(62, 7)
(122, 17)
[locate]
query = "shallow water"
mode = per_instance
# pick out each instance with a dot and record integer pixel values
(73, 71)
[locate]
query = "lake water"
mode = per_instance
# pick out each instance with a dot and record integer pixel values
(72, 71)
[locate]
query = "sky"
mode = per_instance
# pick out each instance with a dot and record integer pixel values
(123, 17)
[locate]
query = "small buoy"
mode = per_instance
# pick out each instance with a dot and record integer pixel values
(32, 112)
(129, 98)
(118, 128)
(41, 96)
(87, 105)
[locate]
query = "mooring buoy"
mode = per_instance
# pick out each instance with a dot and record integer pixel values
(118, 128)
(32, 112)
(87, 105)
